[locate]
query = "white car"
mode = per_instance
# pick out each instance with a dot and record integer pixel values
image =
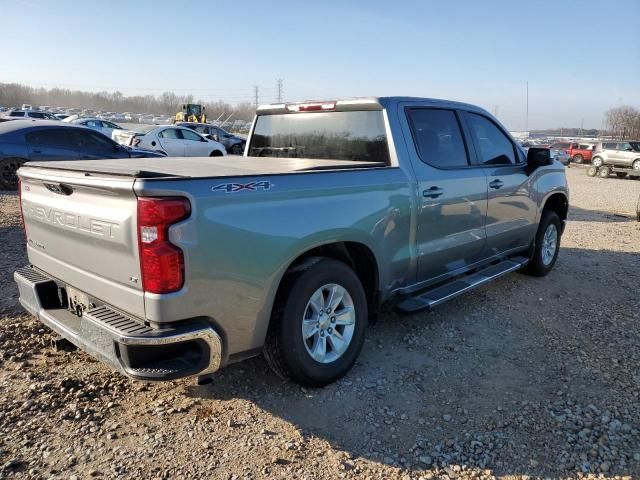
(174, 141)
(102, 126)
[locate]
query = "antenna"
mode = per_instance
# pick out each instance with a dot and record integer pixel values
(279, 87)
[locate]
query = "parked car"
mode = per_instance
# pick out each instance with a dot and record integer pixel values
(232, 143)
(16, 114)
(340, 207)
(44, 140)
(561, 155)
(60, 116)
(103, 126)
(174, 141)
(620, 154)
(26, 106)
(580, 152)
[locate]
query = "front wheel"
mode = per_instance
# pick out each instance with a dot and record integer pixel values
(578, 158)
(237, 149)
(546, 245)
(8, 173)
(597, 162)
(636, 165)
(319, 325)
(592, 171)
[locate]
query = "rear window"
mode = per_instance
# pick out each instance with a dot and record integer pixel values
(359, 136)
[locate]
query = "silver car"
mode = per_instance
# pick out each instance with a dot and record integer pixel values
(619, 154)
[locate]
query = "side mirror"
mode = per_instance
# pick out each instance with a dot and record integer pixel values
(538, 157)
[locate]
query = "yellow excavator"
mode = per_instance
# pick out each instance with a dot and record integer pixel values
(191, 112)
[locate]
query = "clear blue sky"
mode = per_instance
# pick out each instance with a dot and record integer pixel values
(579, 57)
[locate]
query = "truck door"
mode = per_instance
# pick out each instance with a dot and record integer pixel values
(453, 196)
(511, 209)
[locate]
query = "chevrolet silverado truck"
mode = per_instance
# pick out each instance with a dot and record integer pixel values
(172, 267)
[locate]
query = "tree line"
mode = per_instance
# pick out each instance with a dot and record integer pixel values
(623, 123)
(167, 103)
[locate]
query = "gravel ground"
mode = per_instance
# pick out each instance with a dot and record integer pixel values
(536, 377)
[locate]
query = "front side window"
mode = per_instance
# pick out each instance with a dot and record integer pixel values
(190, 135)
(172, 133)
(494, 147)
(625, 146)
(438, 138)
(93, 142)
(356, 135)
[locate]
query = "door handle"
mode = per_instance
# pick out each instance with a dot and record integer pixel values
(432, 192)
(496, 184)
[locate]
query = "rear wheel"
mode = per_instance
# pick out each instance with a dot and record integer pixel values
(318, 328)
(546, 246)
(578, 158)
(216, 153)
(8, 175)
(592, 171)
(597, 162)
(604, 172)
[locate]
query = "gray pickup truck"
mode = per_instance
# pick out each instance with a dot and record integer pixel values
(172, 267)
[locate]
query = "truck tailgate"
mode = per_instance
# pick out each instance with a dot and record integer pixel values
(82, 231)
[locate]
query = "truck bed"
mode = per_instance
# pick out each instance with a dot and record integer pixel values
(203, 167)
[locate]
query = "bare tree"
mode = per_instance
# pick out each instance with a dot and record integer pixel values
(623, 122)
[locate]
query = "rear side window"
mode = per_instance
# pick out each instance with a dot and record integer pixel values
(51, 137)
(494, 147)
(16, 114)
(438, 138)
(357, 135)
(609, 146)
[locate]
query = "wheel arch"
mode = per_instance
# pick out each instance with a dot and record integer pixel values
(559, 203)
(357, 255)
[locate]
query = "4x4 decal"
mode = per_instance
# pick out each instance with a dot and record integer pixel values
(241, 187)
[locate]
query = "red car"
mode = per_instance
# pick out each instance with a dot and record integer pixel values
(578, 152)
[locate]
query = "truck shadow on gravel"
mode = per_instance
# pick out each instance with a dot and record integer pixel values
(583, 215)
(489, 380)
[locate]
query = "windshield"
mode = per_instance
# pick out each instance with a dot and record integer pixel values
(357, 136)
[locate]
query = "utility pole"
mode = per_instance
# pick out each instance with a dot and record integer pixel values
(526, 123)
(255, 94)
(279, 86)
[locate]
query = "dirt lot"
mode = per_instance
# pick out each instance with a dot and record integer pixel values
(527, 376)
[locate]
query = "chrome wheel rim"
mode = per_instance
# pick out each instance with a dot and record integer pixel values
(597, 161)
(549, 244)
(328, 323)
(636, 165)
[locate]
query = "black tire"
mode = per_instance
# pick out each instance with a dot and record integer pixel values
(216, 153)
(237, 149)
(597, 161)
(592, 171)
(285, 349)
(578, 158)
(8, 175)
(537, 267)
(604, 172)
(621, 175)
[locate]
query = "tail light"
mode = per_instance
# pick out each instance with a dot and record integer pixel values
(311, 107)
(161, 262)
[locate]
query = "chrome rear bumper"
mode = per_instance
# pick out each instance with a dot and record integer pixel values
(191, 348)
